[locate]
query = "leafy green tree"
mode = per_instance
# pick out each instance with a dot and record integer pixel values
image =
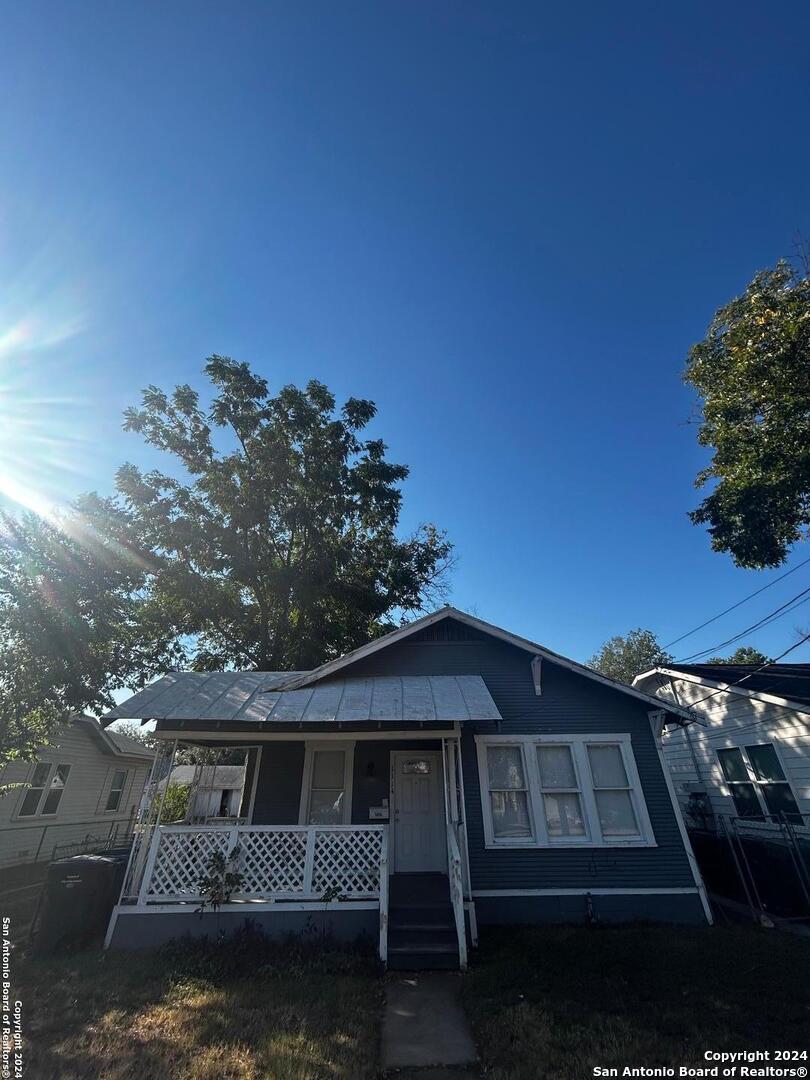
(623, 658)
(279, 550)
(752, 372)
(175, 804)
(746, 654)
(74, 625)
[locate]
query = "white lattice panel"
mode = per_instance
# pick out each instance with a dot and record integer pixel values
(182, 858)
(347, 861)
(272, 863)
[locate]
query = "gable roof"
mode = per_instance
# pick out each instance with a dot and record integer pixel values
(783, 684)
(113, 742)
(531, 647)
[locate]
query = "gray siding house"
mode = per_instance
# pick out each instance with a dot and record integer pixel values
(85, 786)
(444, 778)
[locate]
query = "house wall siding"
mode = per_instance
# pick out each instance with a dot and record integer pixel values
(81, 809)
(731, 720)
(571, 704)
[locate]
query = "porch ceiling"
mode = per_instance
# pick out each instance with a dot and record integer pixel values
(250, 696)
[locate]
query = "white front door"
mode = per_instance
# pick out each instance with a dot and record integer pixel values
(418, 806)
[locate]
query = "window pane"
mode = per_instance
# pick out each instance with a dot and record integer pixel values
(30, 802)
(505, 765)
(60, 776)
(556, 767)
(732, 764)
(118, 780)
(607, 766)
(510, 813)
(564, 815)
(765, 762)
(40, 775)
(616, 813)
(52, 800)
(113, 799)
(779, 799)
(745, 799)
(418, 766)
(326, 807)
(327, 769)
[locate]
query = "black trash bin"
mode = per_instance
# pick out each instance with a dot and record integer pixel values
(79, 896)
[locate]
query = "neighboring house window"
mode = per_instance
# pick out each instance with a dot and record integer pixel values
(548, 790)
(116, 790)
(756, 781)
(326, 790)
(34, 793)
(33, 802)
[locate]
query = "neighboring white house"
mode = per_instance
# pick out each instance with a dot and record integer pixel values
(752, 757)
(217, 790)
(85, 786)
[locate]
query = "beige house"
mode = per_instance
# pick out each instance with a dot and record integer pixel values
(85, 786)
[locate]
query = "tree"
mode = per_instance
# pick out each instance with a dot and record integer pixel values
(752, 371)
(73, 622)
(623, 658)
(280, 550)
(746, 654)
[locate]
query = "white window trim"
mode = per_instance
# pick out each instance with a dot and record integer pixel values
(348, 779)
(752, 777)
(578, 743)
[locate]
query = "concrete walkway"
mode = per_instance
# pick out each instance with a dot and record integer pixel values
(424, 1023)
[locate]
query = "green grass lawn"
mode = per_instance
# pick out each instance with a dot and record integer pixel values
(251, 1012)
(557, 1002)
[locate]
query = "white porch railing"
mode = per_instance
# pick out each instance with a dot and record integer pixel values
(305, 863)
(454, 873)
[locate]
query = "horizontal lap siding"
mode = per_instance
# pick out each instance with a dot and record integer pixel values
(278, 791)
(569, 703)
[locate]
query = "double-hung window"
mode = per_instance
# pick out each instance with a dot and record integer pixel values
(576, 790)
(756, 781)
(44, 794)
(326, 793)
(116, 790)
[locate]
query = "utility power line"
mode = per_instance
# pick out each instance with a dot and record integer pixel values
(772, 616)
(739, 603)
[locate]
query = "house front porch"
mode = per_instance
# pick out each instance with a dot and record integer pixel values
(353, 835)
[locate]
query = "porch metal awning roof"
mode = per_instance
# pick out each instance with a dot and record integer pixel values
(252, 697)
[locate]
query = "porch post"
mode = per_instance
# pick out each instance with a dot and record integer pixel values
(384, 896)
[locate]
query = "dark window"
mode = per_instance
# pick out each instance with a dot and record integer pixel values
(757, 782)
(116, 790)
(34, 793)
(57, 787)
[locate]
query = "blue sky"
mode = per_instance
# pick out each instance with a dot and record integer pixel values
(505, 224)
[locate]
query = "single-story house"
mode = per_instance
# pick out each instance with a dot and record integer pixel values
(84, 787)
(215, 791)
(749, 757)
(448, 776)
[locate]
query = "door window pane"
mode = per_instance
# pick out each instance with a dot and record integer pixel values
(505, 767)
(732, 764)
(765, 763)
(616, 814)
(556, 767)
(564, 815)
(607, 766)
(510, 814)
(416, 766)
